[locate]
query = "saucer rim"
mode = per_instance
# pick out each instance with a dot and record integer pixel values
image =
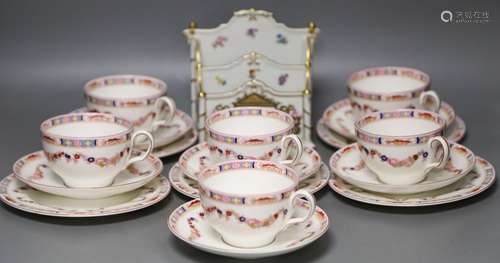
(162, 194)
(462, 174)
(236, 252)
(190, 137)
(29, 183)
(303, 176)
(482, 187)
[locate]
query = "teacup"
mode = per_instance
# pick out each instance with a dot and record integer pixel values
(261, 133)
(90, 149)
(399, 146)
(139, 99)
(390, 88)
(249, 202)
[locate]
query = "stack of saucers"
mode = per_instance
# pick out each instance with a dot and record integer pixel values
(406, 152)
(384, 88)
(90, 166)
(251, 172)
(142, 100)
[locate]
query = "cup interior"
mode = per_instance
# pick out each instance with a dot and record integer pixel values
(401, 123)
(387, 80)
(249, 178)
(125, 87)
(251, 121)
(86, 125)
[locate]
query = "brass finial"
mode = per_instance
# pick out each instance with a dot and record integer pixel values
(312, 27)
(192, 26)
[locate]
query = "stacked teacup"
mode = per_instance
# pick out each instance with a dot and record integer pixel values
(248, 173)
(401, 131)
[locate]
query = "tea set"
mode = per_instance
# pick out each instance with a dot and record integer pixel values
(254, 172)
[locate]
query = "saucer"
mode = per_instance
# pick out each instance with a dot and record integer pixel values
(348, 165)
(193, 160)
(32, 170)
(475, 182)
(455, 132)
(165, 134)
(20, 196)
(189, 187)
(338, 117)
(186, 222)
(330, 137)
(178, 146)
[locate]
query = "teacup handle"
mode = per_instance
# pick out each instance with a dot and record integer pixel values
(157, 122)
(433, 97)
(440, 164)
(144, 155)
(284, 149)
(291, 207)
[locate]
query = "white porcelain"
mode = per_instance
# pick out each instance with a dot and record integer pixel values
(474, 183)
(90, 149)
(189, 186)
(402, 146)
(33, 170)
(252, 61)
(249, 202)
(139, 99)
(177, 146)
(189, 224)
(252, 133)
(330, 137)
(168, 133)
(196, 158)
(454, 133)
(348, 165)
(20, 196)
(339, 117)
(390, 88)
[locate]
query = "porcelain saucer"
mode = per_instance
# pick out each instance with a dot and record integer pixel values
(193, 160)
(189, 187)
(338, 117)
(20, 196)
(32, 170)
(187, 223)
(330, 137)
(165, 134)
(455, 132)
(475, 182)
(348, 165)
(178, 146)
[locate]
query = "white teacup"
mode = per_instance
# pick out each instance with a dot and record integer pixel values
(261, 133)
(90, 149)
(249, 202)
(399, 145)
(139, 99)
(390, 88)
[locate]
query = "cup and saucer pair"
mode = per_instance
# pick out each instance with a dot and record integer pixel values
(463, 177)
(183, 174)
(336, 126)
(252, 214)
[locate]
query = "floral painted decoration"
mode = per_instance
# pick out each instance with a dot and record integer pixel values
(281, 39)
(251, 222)
(77, 157)
(219, 41)
(251, 32)
(282, 79)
